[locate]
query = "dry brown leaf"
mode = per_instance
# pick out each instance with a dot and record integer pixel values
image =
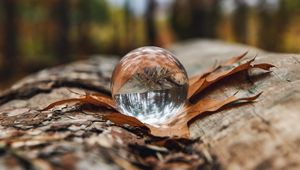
(232, 60)
(199, 83)
(96, 99)
(178, 126)
(121, 119)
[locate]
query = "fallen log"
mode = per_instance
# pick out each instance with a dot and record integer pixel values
(260, 135)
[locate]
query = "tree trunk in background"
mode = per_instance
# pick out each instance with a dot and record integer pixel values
(10, 39)
(214, 18)
(198, 19)
(265, 39)
(115, 47)
(150, 23)
(129, 28)
(240, 19)
(83, 43)
(273, 25)
(282, 18)
(61, 13)
(180, 21)
(195, 18)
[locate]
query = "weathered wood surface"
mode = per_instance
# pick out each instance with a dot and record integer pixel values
(261, 135)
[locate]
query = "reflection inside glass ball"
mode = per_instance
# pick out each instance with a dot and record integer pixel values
(149, 83)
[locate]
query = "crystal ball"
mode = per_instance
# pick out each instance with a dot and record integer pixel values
(150, 84)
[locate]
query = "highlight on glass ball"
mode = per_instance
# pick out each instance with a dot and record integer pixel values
(150, 84)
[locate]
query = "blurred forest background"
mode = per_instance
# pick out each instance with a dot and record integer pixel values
(35, 34)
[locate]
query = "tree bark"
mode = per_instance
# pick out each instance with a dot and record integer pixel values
(261, 135)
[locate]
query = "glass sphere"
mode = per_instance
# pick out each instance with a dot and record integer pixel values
(150, 84)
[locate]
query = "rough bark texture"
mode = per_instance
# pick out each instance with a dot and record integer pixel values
(261, 135)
